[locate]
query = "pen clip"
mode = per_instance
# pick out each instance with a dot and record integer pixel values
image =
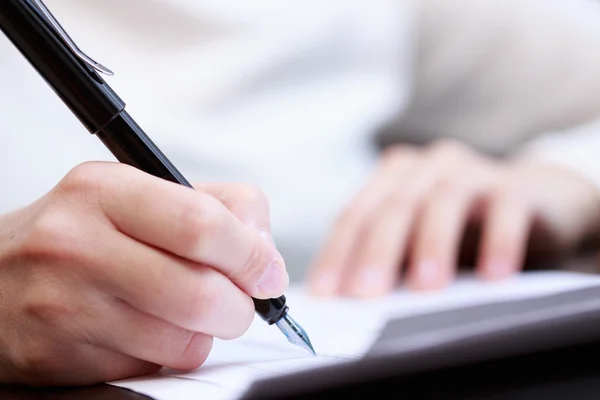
(68, 41)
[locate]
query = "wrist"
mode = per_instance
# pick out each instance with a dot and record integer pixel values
(576, 193)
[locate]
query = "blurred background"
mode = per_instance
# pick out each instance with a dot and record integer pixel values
(299, 98)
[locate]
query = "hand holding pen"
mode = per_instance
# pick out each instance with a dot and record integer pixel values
(108, 275)
(115, 273)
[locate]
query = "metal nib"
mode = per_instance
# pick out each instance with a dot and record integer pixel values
(295, 334)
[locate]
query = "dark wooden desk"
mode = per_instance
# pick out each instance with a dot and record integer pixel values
(98, 392)
(568, 373)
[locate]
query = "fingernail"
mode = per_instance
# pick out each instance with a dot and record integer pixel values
(369, 282)
(426, 273)
(273, 281)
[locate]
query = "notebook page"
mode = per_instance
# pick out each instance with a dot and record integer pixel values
(340, 330)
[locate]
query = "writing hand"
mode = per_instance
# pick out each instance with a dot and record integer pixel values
(115, 273)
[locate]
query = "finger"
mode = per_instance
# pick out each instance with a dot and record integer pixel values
(191, 296)
(439, 232)
(506, 230)
(246, 202)
(145, 337)
(107, 366)
(65, 314)
(376, 266)
(56, 367)
(185, 222)
(376, 269)
(327, 273)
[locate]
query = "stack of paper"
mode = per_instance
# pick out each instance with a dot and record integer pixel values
(341, 330)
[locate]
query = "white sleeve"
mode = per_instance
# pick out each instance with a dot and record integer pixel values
(498, 72)
(577, 149)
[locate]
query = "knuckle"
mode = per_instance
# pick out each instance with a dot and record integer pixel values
(86, 185)
(250, 194)
(510, 183)
(449, 185)
(510, 189)
(397, 151)
(406, 199)
(450, 150)
(35, 358)
(50, 236)
(48, 302)
(83, 178)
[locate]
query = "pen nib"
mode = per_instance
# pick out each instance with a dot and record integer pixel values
(295, 334)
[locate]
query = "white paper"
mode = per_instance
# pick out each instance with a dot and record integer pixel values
(340, 329)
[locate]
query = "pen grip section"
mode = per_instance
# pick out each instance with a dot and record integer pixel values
(271, 310)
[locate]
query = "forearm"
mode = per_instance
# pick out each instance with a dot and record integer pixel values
(576, 148)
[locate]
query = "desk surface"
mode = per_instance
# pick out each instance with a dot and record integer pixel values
(98, 392)
(498, 375)
(571, 372)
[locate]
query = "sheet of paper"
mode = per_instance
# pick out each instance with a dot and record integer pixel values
(340, 329)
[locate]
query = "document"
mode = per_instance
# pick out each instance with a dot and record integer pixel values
(341, 330)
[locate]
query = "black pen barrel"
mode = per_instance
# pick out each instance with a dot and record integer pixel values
(95, 104)
(130, 145)
(79, 86)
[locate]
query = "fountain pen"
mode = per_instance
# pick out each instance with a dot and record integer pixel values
(75, 78)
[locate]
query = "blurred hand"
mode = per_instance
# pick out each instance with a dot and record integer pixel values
(115, 273)
(416, 207)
